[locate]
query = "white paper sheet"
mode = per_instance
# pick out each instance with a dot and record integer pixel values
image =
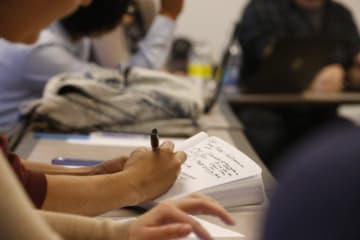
(216, 231)
(211, 162)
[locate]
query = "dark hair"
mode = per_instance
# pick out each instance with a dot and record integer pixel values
(99, 17)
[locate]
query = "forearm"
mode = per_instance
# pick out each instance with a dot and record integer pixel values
(155, 47)
(77, 227)
(56, 170)
(90, 195)
(111, 49)
(18, 219)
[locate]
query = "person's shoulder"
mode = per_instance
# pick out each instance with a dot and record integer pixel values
(12, 55)
(50, 37)
(265, 8)
(339, 8)
(328, 145)
(262, 3)
(9, 47)
(54, 35)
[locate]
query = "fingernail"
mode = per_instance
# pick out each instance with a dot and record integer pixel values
(185, 229)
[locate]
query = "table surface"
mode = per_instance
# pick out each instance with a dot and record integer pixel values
(220, 122)
(303, 98)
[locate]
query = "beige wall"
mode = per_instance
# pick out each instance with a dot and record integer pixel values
(211, 21)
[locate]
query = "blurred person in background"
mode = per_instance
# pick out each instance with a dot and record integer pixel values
(144, 38)
(273, 130)
(66, 46)
(265, 22)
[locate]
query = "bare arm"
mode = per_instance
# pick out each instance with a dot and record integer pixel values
(91, 195)
(18, 219)
(55, 169)
(77, 227)
(110, 166)
(146, 175)
(168, 220)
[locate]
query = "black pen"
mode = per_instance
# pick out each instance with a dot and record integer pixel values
(154, 138)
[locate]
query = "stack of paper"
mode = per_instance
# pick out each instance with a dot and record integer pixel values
(218, 169)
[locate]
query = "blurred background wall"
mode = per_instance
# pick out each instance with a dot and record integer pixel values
(211, 21)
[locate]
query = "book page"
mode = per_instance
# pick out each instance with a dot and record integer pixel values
(216, 231)
(190, 142)
(210, 163)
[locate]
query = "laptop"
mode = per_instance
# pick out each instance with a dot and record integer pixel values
(219, 80)
(293, 64)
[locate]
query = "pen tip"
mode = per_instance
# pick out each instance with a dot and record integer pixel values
(154, 131)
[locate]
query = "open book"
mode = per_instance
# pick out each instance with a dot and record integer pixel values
(218, 169)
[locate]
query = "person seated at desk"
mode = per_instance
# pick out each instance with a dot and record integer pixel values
(21, 21)
(273, 130)
(126, 181)
(66, 47)
(265, 22)
(143, 39)
(168, 220)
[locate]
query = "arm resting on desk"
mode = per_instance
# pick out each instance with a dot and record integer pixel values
(90, 195)
(146, 175)
(110, 166)
(77, 227)
(168, 220)
(55, 169)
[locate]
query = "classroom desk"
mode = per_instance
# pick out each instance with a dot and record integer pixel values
(313, 99)
(345, 104)
(219, 123)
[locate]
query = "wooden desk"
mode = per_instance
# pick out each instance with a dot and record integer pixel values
(249, 218)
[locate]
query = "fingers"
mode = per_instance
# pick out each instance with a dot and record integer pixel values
(169, 231)
(200, 204)
(173, 214)
(180, 157)
(138, 151)
(167, 145)
(114, 165)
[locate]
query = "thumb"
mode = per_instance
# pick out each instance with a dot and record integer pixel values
(169, 231)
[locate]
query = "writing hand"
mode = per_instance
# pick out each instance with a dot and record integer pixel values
(109, 166)
(153, 173)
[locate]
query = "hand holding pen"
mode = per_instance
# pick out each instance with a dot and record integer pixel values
(152, 172)
(154, 140)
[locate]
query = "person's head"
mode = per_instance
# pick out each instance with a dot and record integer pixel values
(310, 4)
(100, 17)
(22, 20)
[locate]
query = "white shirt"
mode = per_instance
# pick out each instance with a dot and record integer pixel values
(24, 70)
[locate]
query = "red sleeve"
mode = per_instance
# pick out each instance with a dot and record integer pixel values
(34, 182)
